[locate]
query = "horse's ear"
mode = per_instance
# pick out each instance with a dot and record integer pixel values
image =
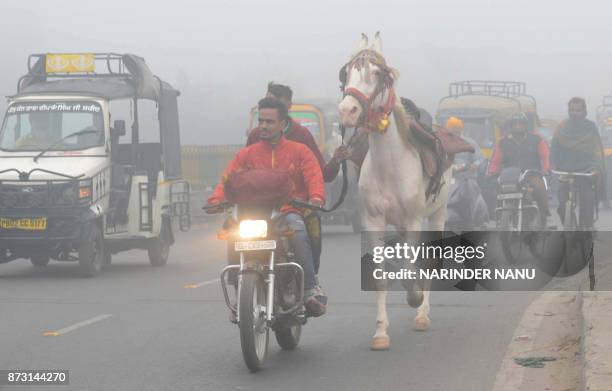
(395, 73)
(377, 46)
(363, 44)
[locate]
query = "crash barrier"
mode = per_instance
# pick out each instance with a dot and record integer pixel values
(203, 165)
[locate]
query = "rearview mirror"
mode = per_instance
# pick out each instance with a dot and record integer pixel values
(118, 128)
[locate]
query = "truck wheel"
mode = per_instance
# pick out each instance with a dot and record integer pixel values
(159, 248)
(39, 260)
(91, 253)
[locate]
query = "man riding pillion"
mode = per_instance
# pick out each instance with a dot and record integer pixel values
(527, 151)
(275, 151)
(466, 201)
(298, 133)
(576, 147)
(468, 162)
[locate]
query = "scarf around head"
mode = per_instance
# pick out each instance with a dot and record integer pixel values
(580, 138)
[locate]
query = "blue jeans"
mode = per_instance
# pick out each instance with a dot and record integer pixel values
(300, 243)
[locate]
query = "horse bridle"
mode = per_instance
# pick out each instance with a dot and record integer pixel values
(374, 118)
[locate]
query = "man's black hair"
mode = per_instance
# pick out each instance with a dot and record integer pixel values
(273, 103)
(577, 101)
(280, 91)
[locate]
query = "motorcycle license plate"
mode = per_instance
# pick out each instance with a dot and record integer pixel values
(35, 224)
(255, 245)
(511, 196)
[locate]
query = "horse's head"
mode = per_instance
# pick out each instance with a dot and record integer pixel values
(367, 84)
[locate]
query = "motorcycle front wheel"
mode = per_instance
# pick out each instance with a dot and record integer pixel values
(254, 332)
(512, 245)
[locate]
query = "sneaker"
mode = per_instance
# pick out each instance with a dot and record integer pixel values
(315, 302)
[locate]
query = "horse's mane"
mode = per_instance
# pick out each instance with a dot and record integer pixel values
(402, 122)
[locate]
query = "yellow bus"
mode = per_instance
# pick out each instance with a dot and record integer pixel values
(484, 106)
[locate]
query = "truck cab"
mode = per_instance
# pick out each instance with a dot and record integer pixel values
(90, 152)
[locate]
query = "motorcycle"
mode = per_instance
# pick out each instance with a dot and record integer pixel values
(517, 212)
(270, 281)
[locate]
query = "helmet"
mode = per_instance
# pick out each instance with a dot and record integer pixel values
(454, 123)
(518, 120)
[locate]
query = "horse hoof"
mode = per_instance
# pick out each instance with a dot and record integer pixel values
(421, 324)
(380, 343)
(414, 299)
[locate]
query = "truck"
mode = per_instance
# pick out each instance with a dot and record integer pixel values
(90, 162)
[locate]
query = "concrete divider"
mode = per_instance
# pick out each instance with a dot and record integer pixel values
(597, 340)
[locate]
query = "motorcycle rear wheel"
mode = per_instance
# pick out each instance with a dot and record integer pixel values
(288, 336)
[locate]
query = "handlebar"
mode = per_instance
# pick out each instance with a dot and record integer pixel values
(217, 208)
(565, 173)
(302, 204)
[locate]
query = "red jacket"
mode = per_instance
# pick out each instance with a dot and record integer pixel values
(294, 157)
(300, 134)
(530, 153)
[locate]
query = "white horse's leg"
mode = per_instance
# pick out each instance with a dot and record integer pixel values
(380, 340)
(422, 321)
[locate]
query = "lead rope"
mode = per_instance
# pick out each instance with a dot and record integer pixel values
(344, 180)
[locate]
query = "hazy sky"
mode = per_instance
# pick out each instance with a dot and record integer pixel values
(221, 54)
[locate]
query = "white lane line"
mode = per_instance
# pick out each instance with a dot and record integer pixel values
(201, 284)
(76, 326)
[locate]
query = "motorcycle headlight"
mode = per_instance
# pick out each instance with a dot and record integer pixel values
(250, 229)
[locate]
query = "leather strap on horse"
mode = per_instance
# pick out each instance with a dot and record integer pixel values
(365, 103)
(344, 180)
(432, 142)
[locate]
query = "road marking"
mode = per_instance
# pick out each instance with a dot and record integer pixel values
(201, 284)
(76, 326)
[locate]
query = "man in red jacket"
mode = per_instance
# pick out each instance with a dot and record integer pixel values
(274, 151)
(298, 133)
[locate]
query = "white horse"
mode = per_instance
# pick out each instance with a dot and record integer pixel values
(392, 184)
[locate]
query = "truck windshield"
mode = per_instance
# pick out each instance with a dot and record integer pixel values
(34, 126)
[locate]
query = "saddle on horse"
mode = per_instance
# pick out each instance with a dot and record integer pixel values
(437, 151)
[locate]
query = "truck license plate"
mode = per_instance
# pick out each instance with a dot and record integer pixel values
(34, 224)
